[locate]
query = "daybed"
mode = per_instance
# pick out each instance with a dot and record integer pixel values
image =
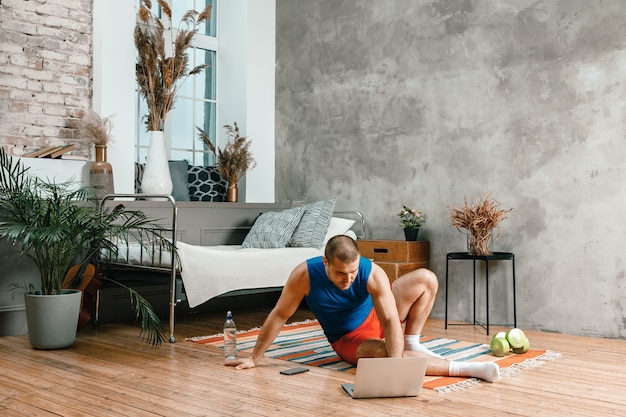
(278, 239)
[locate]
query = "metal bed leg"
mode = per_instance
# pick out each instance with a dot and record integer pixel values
(172, 302)
(96, 319)
(514, 300)
(446, 321)
(474, 304)
(487, 293)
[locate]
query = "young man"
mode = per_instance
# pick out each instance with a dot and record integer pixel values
(361, 314)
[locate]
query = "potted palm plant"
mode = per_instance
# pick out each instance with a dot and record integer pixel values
(57, 226)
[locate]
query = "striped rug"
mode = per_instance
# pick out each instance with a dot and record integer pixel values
(305, 343)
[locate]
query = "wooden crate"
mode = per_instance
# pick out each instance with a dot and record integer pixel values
(396, 257)
(394, 250)
(397, 269)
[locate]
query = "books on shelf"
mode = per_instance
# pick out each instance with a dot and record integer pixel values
(64, 149)
(50, 151)
(40, 151)
(74, 157)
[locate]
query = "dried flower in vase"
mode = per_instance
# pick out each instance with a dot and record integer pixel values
(95, 128)
(478, 219)
(235, 159)
(158, 74)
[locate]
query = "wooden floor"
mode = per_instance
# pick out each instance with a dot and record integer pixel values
(108, 372)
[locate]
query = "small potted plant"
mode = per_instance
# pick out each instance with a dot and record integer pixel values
(411, 220)
(58, 226)
(234, 160)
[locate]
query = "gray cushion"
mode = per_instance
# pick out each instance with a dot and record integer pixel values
(312, 228)
(273, 229)
(178, 173)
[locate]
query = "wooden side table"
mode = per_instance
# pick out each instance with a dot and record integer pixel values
(396, 257)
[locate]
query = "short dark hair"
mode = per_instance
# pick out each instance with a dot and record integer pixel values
(341, 247)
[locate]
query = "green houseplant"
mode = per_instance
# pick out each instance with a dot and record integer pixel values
(58, 225)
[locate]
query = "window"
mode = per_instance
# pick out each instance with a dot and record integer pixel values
(196, 101)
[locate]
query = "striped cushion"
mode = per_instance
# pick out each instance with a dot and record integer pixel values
(273, 229)
(312, 229)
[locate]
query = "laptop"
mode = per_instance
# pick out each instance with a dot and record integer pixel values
(388, 377)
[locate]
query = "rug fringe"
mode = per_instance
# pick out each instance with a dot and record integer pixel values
(198, 338)
(516, 368)
(459, 386)
(297, 323)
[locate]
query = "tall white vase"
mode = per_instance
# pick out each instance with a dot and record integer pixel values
(156, 176)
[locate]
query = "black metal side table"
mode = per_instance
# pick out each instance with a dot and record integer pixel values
(495, 256)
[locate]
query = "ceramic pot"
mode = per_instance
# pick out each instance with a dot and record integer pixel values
(410, 233)
(52, 319)
(156, 176)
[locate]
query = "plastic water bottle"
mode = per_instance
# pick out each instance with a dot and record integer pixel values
(230, 338)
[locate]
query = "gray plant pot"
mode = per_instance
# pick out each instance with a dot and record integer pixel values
(52, 319)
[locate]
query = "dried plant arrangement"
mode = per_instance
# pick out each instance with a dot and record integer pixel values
(235, 159)
(478, 219)
(95, 128)
(158, 73)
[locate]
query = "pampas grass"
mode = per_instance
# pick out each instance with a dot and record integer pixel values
(158, 74)
(97, 129)
(235, 159)
(478, 219)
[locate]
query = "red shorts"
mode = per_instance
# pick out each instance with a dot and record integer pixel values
(347, 345)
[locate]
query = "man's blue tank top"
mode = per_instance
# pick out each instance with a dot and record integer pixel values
(338, 311)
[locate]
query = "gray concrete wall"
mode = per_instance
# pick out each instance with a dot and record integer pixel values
(428, 103)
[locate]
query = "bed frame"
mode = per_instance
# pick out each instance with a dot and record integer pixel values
(170, 210)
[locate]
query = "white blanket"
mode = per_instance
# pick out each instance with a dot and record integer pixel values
(209, 271)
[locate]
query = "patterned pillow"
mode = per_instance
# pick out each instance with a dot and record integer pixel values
(312, 228)
(273, 229)
(139, 168)
(206, 184)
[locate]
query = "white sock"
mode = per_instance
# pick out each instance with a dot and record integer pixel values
(487, 371)
(412, 342)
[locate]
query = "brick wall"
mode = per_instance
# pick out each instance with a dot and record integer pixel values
(45, 72)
